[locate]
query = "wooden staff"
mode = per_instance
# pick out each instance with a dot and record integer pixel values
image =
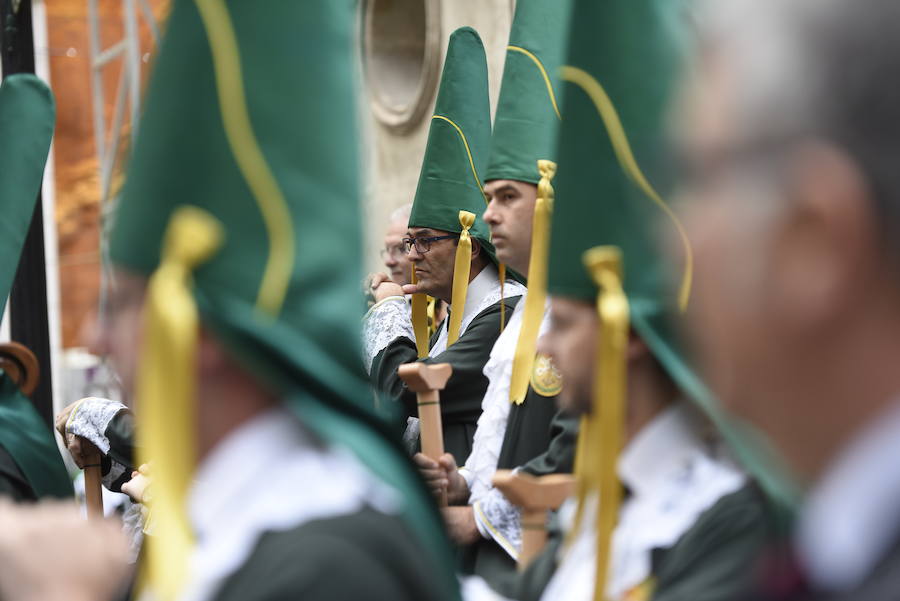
(93, 492)
(426, 380)
(536, 496)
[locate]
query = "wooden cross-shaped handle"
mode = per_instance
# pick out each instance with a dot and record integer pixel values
(426, 380)
(536, 495)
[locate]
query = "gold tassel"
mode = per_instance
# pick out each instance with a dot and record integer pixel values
(461, 271)
(535, 301)
(420, 319)
(166, 392)
(607, 420)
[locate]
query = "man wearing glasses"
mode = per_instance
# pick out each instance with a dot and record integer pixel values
(450, 250)
(519, 424)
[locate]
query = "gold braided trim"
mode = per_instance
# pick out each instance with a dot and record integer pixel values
(544, 74)
(249, 156)
(622, 148)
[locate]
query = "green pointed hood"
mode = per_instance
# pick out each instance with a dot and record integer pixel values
(243, 196)
(27, 117)
(616, 178)
(458, 143)
(527, 117)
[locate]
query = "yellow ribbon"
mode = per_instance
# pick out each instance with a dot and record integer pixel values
(602, 431)
(535, 301)
(420, 319)
(461, 271)
(166, 391)
(625, 156)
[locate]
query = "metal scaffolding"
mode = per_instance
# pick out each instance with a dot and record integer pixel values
(126, 106)
(128, 91)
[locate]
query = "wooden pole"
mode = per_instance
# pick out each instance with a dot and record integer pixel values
(536, 496)
(93, 492)
(426, 381)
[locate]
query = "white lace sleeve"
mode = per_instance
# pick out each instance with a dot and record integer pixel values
(500, 520)
(385, 322)
(90, 418)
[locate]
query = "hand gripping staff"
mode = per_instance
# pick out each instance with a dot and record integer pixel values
(426, 380)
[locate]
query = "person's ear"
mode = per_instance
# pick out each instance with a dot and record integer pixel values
(826, 240)
(476, 248)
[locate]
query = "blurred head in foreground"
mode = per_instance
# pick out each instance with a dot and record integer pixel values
(790, 129)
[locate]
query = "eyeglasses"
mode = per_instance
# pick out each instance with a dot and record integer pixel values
(397, 251)
(423, 245)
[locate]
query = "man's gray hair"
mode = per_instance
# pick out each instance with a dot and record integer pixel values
(401, 213)
(828, 69)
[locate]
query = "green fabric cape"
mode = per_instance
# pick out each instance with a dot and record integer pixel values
(30, 443)
(27, 117)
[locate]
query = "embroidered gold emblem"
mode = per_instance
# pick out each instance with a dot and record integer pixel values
(545, 378)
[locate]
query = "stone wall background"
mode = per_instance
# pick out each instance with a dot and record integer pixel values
(394, 158)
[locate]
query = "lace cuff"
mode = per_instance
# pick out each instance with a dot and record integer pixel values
(386, 321)
(500, 520)
(90, 418)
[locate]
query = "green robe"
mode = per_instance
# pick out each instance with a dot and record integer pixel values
(13, 483)
(461, 398)
(30, 464)
(311, 562)
(712, 561)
